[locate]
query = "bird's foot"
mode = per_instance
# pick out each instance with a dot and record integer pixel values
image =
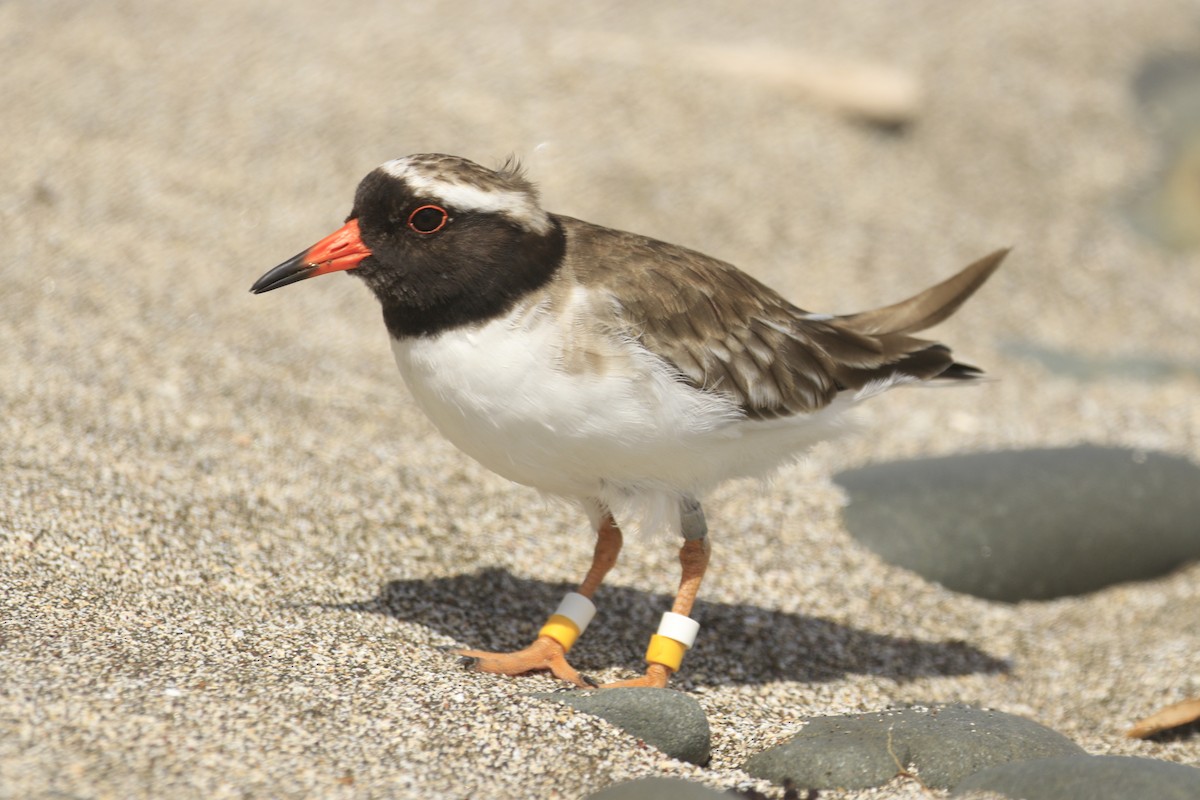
(656, 677)
(545, 653)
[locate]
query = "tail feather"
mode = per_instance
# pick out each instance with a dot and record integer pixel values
(895, 352)
(930, 306)
(960, 372)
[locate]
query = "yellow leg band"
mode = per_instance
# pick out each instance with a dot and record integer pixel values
(665, 651)
(561, 629)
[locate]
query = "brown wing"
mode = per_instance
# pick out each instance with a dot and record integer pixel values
(727, 332)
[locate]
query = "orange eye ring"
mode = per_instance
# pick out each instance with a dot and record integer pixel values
(423, 222)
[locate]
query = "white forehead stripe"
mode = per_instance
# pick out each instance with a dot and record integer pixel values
(518, 206)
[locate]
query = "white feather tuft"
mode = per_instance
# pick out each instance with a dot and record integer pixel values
(519, 206)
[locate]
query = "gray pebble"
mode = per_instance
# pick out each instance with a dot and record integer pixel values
(1167, 88)
(1073, 363)
(658, 789)
(1087, 778)
(669, 720)
(945, 744)
(1029, 524)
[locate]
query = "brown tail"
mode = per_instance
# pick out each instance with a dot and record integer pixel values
(893, 351)
(930, 306)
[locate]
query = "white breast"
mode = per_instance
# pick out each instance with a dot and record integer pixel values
(562, 403)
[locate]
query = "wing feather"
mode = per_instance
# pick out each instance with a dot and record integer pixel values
(724, 331)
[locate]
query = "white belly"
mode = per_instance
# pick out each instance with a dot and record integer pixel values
(550, 404)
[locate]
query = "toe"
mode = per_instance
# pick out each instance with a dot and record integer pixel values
(544, 654)
(657, 676)
(561, 669)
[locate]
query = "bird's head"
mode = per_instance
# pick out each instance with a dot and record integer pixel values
(440, 240)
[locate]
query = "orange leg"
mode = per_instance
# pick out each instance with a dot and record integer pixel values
(547, 652)
(693, 558)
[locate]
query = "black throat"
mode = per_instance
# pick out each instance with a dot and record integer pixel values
(468, 285)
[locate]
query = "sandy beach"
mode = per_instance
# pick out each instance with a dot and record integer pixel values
(232, 550)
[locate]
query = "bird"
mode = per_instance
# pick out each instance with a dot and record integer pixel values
(622, 373)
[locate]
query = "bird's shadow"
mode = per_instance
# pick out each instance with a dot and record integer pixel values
(738, 643)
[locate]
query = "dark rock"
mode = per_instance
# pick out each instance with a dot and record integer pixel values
(657, 789)
(1087, 778)
(1167, 88)
(1143, 367)
(669, 720)
(1166, 206)
(945, 743)
(1029, 524)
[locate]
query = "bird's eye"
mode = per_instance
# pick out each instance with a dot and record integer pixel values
(428, 219)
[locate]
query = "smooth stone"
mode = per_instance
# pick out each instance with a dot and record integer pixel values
(1143, 367)
(945, 743)
(669, 720)
(1029, 524)
(1167, 88)
(657, 789)
(1087, 778)
(1166, 206)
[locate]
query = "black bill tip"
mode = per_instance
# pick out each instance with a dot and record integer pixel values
(294, 269)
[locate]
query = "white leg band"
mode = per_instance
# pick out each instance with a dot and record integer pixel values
(577, 608)
(678, 627)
